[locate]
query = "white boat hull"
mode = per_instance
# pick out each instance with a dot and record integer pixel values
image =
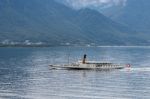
(100, 66)
(90, 65)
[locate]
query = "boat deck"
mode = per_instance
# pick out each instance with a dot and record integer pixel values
(98, 66)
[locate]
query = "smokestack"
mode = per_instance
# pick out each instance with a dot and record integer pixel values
(84, 59)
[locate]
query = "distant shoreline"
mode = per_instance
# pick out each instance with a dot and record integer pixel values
(26, 45)
(139, 46)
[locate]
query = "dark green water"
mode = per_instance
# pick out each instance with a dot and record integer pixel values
(24, 74)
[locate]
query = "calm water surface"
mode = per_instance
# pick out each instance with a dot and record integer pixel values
(24, 74)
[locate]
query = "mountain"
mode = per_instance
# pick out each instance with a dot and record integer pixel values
(135, 14)
(54, 23)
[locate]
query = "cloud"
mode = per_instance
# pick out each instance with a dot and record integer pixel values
(78, 4)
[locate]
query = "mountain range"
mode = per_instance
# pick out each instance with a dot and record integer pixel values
(56, 24)
(135, 14)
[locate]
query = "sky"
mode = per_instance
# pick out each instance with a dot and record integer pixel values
(78, 4)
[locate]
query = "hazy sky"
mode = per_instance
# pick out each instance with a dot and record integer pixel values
(77, 4)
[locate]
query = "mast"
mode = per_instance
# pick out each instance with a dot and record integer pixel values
(68, 58)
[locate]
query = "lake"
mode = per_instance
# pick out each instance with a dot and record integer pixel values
(25, 74)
